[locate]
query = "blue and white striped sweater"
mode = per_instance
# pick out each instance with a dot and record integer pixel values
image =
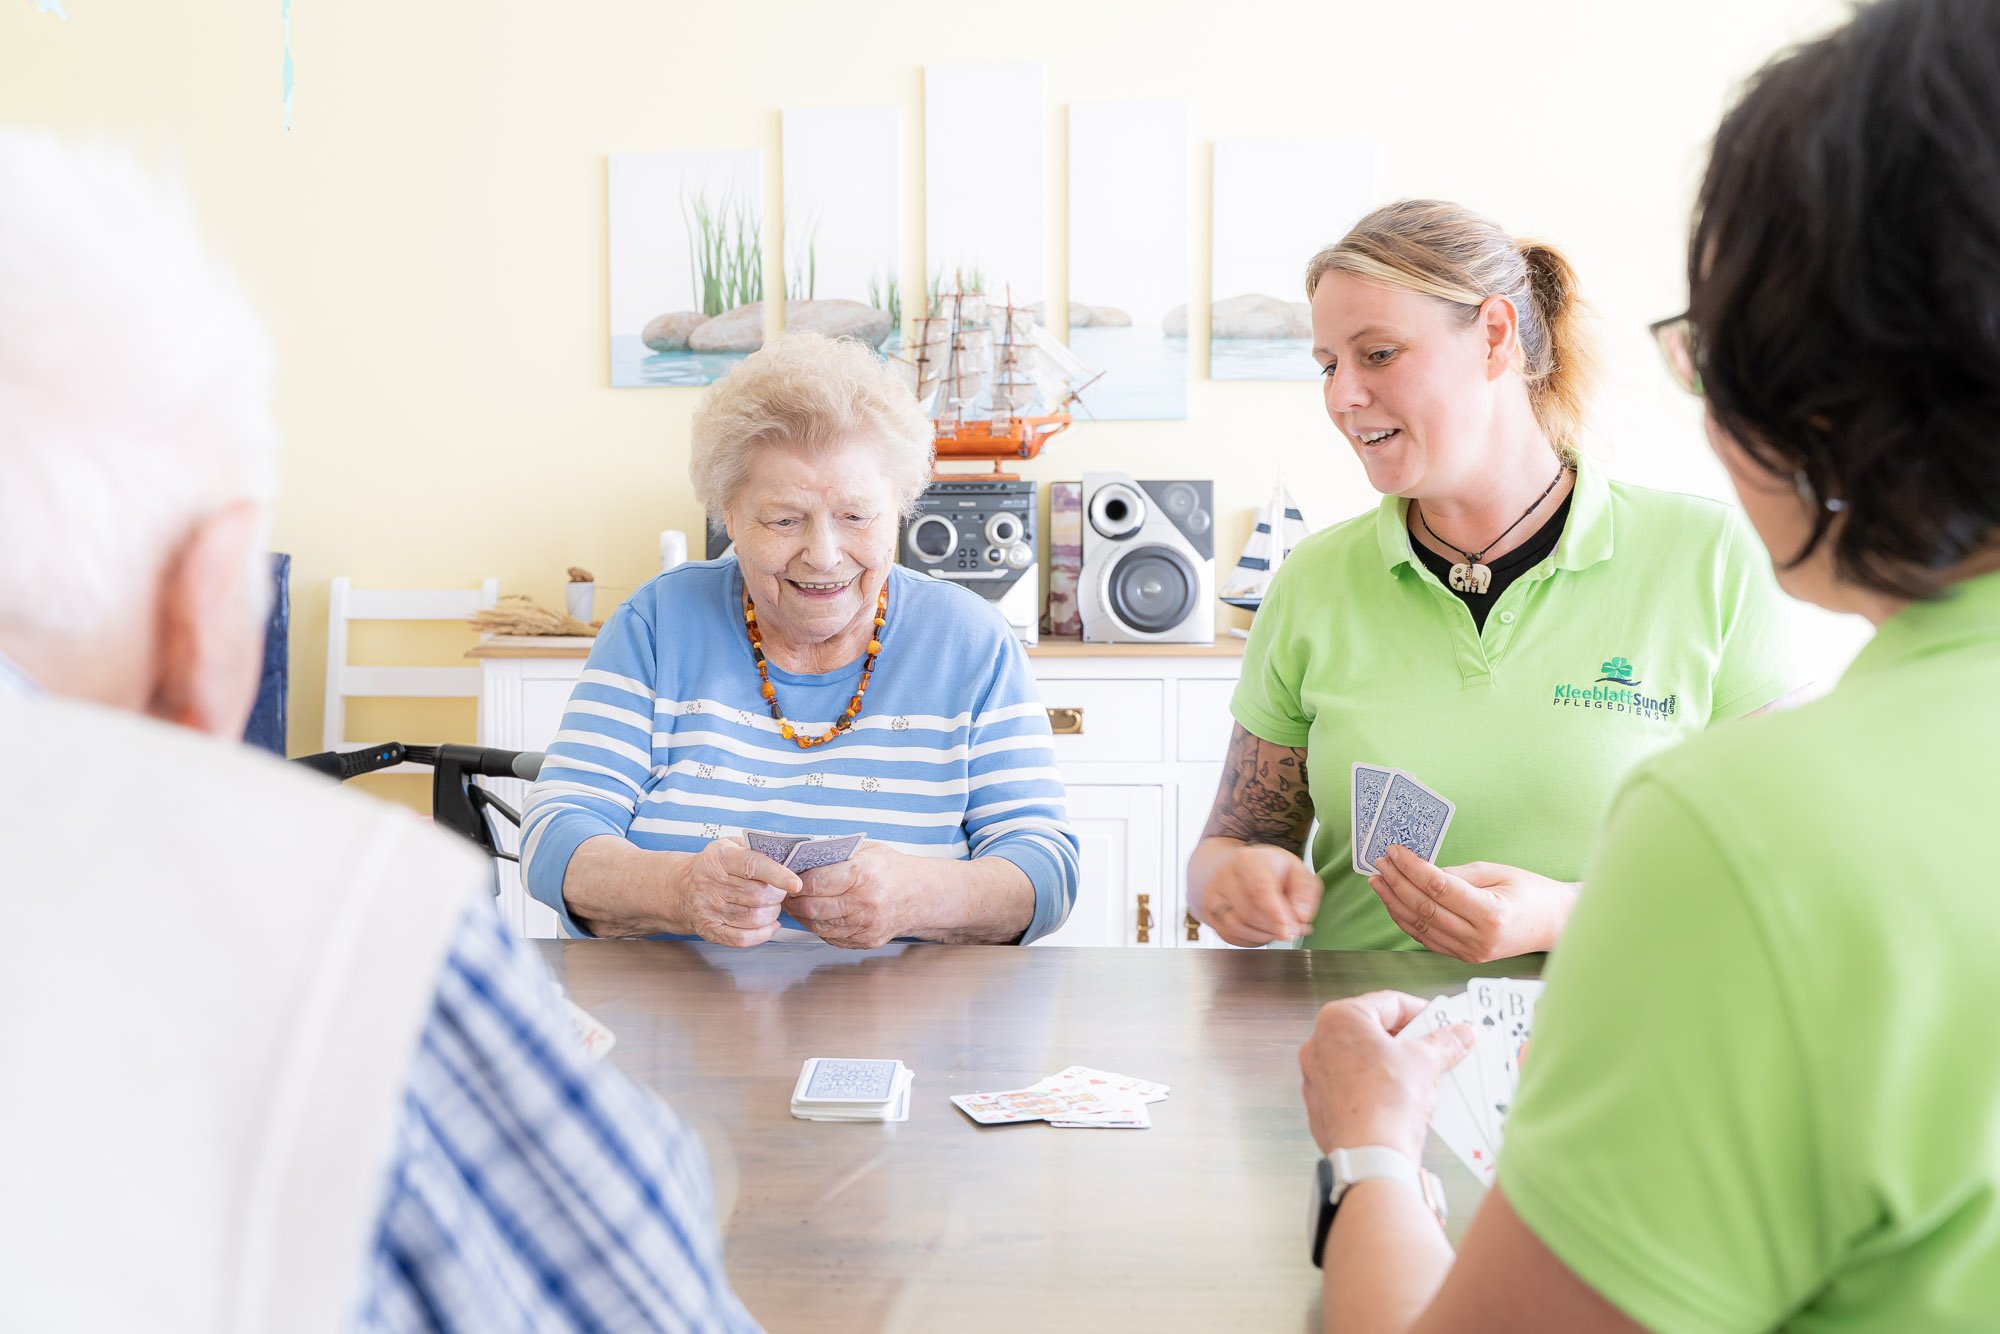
(667, 742)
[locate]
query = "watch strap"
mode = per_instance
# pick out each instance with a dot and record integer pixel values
(1341, 1169)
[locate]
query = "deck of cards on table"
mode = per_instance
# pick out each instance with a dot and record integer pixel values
(1392, 808)
(801, 852)
(1076, 1098)
(840, 1089)
(1475, 1095)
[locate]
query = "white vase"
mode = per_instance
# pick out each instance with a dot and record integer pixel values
(581, 596)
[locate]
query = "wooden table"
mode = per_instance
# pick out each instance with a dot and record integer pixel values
(940, 1224)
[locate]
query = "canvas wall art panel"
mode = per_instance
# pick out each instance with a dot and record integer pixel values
(687, 265)
(1276, 203)
(843, 215)
(1128, 256)
(983, 195)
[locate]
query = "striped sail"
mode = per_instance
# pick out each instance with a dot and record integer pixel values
(1279, 529)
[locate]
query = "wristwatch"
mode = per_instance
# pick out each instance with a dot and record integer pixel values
(1342, 1168)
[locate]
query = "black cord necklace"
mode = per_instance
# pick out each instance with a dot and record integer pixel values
(1473, 576)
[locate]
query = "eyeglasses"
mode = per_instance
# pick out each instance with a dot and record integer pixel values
(1676, 339)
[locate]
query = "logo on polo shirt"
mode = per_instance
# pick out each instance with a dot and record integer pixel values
(1616, 691)
(1618, 670)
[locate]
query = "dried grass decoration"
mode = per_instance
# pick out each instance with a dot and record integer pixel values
(517, 614)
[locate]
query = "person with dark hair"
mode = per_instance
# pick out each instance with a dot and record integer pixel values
(1762, 1091)
(1509, 625)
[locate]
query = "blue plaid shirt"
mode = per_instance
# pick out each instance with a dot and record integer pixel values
(531, 1188)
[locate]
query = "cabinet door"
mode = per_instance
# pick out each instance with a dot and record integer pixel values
(1121, 893)
(1197, 797)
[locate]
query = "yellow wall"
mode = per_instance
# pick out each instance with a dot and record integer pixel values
(428, 240)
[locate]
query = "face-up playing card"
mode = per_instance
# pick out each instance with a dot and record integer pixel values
(775, 846)
(1488, 1059)
(1412, 816)
(1517, 1026)
(1453, 1118)
(1029, 1104)
(818, 852)
(1103, 1083)
(1121, 1112)
(1369, 781)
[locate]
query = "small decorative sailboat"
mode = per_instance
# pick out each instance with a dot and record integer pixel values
(981, 370)
(1280, 528)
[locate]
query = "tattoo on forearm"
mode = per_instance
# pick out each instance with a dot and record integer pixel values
(1264, 796)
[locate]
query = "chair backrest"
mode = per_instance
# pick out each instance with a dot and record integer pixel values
(344, 682)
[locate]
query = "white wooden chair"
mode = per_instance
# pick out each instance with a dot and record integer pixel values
(345, 682)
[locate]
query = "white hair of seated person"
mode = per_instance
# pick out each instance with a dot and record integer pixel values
(808, 391)
(136, 434)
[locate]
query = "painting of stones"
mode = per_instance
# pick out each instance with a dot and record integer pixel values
(687, 265)
(1128, 256)
(983, 196)
(843, 216)
(1276, 203)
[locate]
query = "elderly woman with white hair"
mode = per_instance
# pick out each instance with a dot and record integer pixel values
(809, 686)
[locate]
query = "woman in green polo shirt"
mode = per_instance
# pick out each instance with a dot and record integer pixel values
(1510, 627)
(1764, 1087)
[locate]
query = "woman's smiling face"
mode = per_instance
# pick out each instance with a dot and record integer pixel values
(1407, 383)
(815, 535)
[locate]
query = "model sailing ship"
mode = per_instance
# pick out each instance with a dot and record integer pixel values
(1280, 528)
(981, 370)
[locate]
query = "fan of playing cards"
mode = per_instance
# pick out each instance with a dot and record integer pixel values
(831, 1089)
(1077, 1098)
(1391, 808)
(801, 852)
(1475, 1095)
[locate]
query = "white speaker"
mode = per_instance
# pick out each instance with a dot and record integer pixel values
(1148, 561)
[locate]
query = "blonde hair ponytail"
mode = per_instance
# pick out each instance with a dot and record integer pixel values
(1451, 254)
(1563, 369)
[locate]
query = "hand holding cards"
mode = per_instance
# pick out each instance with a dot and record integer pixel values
(1392, 808)
(1075, 1098)
(800, 853)
(833, 1089)
(1475, 1095)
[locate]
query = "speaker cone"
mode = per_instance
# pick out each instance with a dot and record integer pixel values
(1152, 589)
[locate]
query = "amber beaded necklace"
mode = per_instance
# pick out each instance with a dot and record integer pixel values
(770, 692)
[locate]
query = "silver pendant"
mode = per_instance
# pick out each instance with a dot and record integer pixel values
(1473, 578)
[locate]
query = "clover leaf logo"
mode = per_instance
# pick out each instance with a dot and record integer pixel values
(1618, 670)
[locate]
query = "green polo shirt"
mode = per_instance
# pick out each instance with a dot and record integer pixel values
(1764, 1089)
(1655, 615)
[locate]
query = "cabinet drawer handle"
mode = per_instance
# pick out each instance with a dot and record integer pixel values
(1066, 722)
(1145, 919)
(1194, 928)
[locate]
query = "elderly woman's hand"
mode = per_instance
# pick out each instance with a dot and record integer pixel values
(731, 895)
(1477, 912)
(868, 900)
(1362, 1086)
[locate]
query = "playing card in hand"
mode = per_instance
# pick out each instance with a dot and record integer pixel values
(775, 846)
(1368, 781)
(818, 852)
(1412, 816)
(1454, 1117)
(595, 1037)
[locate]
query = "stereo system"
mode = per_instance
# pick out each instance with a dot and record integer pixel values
(981, 536)
(1148, 561)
